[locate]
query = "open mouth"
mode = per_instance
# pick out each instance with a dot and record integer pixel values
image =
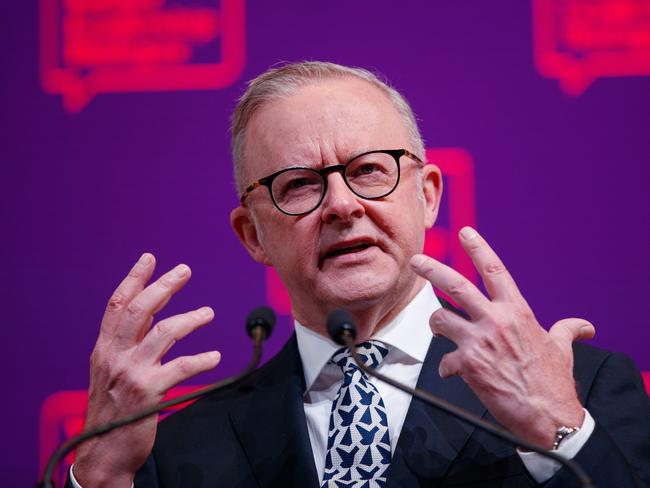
(348, 250)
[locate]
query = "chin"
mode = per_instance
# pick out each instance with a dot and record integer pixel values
(358, 291)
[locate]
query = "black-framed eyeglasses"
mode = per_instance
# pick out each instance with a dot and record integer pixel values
(298, 191)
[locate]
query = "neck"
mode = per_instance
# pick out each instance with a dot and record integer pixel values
(368, 319)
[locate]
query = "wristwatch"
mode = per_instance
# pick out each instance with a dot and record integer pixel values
(563, 433)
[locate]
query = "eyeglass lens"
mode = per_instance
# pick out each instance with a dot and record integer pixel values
(300, 190)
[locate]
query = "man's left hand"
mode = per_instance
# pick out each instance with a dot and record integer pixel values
(522, 373)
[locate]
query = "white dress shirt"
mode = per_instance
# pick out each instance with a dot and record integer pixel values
(408, 337)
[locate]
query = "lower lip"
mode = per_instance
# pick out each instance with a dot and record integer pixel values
(352, 257)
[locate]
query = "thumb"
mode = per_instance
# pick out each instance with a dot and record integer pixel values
(566, 331)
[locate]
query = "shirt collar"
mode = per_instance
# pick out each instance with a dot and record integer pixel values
(409, 332)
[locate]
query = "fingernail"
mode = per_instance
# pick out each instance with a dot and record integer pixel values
(418, 261)
(145, 258)
(182, 270)
(206, 311)
(214, 355)
(468, 233)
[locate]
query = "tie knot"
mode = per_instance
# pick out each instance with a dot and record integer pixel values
(371, 353)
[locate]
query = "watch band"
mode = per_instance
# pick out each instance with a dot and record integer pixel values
(562, 433)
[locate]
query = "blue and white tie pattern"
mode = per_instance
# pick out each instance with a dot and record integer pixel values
(358, 443)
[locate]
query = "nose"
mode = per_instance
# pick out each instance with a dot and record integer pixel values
(339, 203)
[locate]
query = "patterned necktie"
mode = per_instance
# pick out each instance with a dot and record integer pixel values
(358, 443)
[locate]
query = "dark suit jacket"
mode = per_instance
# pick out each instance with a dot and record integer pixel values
(255, 434)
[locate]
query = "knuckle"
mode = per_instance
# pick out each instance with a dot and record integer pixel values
(194, 316)
(116, 302)
(457, 287)
(185, 366)
(96, 360)
(166, 281)
(135, 272)
(135, 309)
(164, 329)
(473, 245)
(494, 269)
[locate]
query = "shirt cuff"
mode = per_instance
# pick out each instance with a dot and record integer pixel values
(542, 468)
(75, 483)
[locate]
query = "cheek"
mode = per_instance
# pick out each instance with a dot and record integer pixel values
(404, 228)
(291, 244)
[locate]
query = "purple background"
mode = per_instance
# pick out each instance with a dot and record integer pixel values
(561, 184)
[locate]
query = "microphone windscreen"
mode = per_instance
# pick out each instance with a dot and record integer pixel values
(339, 321)
(261, 316)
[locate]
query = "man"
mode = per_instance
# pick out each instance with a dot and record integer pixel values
(335, 195)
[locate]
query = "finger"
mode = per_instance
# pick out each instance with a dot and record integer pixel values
(449, 325)
(452, 283)
(166, 332)
(130, 286)
(564, 332)
(135, 319)
(450, 365)
(184, 367)
(496, 278)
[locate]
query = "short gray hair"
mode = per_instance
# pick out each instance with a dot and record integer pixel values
(283, 81)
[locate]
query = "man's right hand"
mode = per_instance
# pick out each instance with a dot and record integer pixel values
(126, 374)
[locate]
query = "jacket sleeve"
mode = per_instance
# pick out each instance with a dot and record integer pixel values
(147, 475)
(618, 451)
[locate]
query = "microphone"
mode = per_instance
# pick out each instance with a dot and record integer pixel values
(259, 325)
(260, 320)
(342, 330)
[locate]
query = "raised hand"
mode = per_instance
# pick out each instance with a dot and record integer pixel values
(126, 374)
(522, 373)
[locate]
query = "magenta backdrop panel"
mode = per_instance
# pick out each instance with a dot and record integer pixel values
(99, 164)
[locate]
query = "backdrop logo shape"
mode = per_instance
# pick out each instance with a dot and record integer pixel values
(107, 46)
(578, 41)
(441, 242)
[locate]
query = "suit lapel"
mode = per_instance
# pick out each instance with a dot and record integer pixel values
(270, 423)
(430, 439)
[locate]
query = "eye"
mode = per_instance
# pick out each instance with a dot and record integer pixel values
(366, 169)
(297, 183)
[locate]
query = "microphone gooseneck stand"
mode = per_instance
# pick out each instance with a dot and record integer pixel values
(342, 330)
(259, 326)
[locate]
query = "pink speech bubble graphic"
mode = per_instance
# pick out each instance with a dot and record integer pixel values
(441, 242)
(578, 41)
(102, 46)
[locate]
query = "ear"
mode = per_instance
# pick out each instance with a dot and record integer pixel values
(432, 190)
(243, 225)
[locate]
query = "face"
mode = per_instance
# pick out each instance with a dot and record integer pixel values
(348, 253)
